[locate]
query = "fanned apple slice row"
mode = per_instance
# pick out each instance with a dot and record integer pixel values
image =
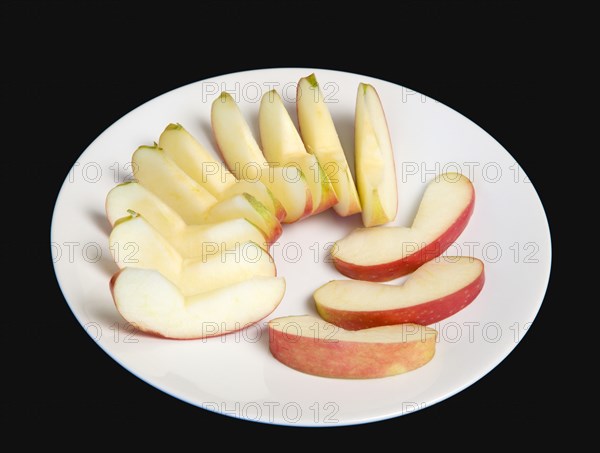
(374, 159)
(321, 139)
(159, 174)
(135, 243)
(195, 160)
(249, 213)
(435, 291)
(314, 346)
(246, 161)
(153, 304)
(283, 146)
(383, 253)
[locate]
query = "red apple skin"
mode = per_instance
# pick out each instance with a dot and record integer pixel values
(388, 271)
(349, 360)
(280, 211)
(111, 285)
(332, 200)
(424, 314)
(308, 207)
(275, 234)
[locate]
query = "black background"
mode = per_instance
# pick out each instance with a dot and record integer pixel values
(69, 71)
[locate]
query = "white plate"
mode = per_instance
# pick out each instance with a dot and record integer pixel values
(236, 375)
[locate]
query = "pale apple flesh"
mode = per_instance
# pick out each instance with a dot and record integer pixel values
(289, 185)
(260, 192)
(248, 207)
(245, 160)
(196, 240)
(311, 345)
(384, 253)
(190, 241)
(133, 196)
(282, 146)
(193, 158)
(159, 174)
(435, 291)
(135, 243)
(328, 196)
(153, 304)
(320, 138)
(374, 160)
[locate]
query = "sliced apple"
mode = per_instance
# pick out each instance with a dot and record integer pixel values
(260, 192)
(155, 305)
(381, 254)
(135, 243)
(321, 139)
(135, 197)
(374, 159)
(189, 240)
(159, 174)
(314, 346)
(246, 161)
(195, 160)
(435, 291)
(196, 240)
(248, 207)
(283, 146)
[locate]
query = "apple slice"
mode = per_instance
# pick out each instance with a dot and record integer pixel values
(135, 197)
(374, 159)
(159, 174)
(248, 207)
(260, 192)
(321, 139)
(435, 291)
(135, 243)
(282, 146)
(314, 346)
(246, 161)
(381, 254)
(155, 305)
(195, 160)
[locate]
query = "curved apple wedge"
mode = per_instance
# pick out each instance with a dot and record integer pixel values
(282, 146)
(260, 192)
(246, 161)
(191, 241)
(435, 291)
(374, 160)
(135, 197)
(314, 346)
(159, 174)
(195, 160)
(248, 207)
(135, 243)
(381, 254)
(155, 305)
(321, 139)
